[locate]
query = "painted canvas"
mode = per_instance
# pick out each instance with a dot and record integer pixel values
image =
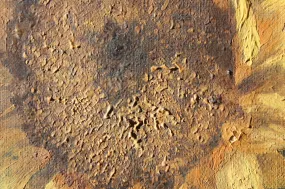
(142, 94)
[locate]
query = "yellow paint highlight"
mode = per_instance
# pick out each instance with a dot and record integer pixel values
(273, 5)
(248, 37)
(19, 160)
(273, 101)
(241, 172)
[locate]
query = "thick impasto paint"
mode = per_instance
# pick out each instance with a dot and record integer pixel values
(142, 94)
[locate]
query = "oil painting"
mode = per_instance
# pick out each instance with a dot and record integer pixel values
(142, 94)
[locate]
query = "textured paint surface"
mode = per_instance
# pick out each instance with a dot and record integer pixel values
(142, 94)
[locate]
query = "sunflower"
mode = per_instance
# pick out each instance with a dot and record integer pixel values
(142, 94)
